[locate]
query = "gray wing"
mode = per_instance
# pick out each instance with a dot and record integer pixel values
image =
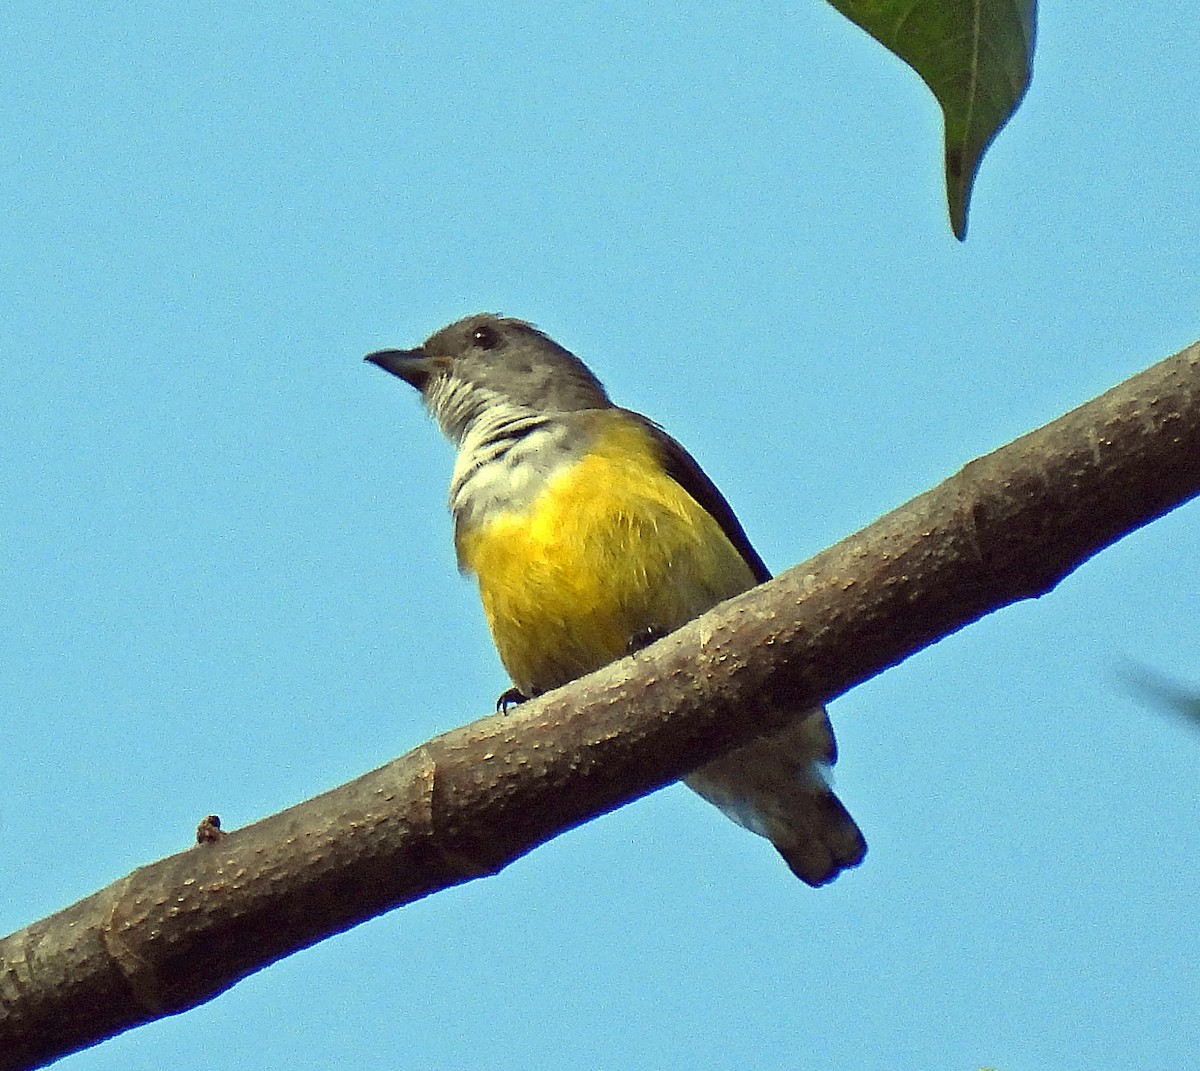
(684, 470)
(774, 786)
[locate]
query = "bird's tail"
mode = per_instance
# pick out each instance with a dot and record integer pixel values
(776, 787)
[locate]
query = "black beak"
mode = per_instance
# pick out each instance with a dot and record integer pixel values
(412, 366)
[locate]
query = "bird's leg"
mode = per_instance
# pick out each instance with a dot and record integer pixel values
(509, 699)
(643, 638)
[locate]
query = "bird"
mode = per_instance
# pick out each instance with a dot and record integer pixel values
(590, 532)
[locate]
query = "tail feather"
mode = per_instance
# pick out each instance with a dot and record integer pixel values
(775, 786)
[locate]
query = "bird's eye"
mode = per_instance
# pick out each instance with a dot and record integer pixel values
(486, 337)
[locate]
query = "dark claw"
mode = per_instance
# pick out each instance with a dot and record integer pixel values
(510, 699)
(643, 638)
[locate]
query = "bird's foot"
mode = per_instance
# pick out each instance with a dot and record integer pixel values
(509, 699)
(643, 638)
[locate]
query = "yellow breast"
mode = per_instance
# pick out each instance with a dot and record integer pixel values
(611, 546)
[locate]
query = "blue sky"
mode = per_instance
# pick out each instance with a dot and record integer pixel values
(227, 575)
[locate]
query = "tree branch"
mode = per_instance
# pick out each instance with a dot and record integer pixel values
(1009, 526)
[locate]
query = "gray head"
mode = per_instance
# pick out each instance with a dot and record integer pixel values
(487, 365)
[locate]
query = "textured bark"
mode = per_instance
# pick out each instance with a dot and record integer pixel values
(1008, 526)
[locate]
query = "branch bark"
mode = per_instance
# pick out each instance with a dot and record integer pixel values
(1008, 526)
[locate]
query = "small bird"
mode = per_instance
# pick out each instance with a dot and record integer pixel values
(591, 532)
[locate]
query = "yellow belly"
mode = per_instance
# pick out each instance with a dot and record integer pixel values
(611, 547)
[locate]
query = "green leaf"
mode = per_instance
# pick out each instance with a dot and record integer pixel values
(976, 56)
